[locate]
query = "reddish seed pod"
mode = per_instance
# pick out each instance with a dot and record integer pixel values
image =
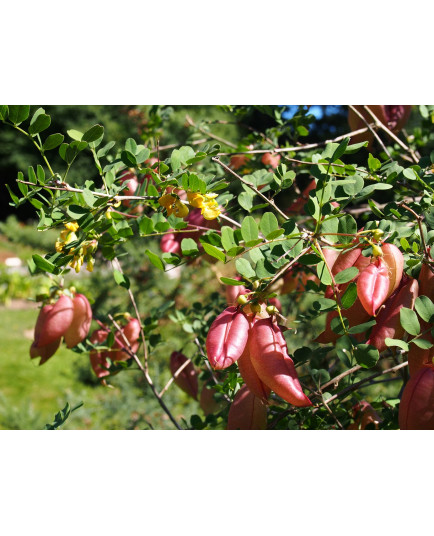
(237, 161)
(232, 292)
(269, 356)
(331, 256)
(419, 357)
(395, 264)
(394, 116)
(426, 280)
(299, 203)
(346, 259)
(388, 320)
(45, 352)
(132, 332)
(270, 159)
(250, 376)
(187, 378)
(53, 321)
(98, 359)
(130, 179)
(81, 321)
(227, 338)
(247, 412)
(207, 402)
(416, 410)
(170, 243)
(373, 286)
(356, 314)
(364, 414)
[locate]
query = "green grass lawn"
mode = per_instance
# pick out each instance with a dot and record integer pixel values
(30, 394)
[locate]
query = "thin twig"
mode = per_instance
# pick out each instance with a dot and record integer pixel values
(391, 134)
(145, 374)
(355, 386)
(300, 147)
(251, 186)
(371, 129)
(209, 134)
(419, 220)
(67, 188)
(173, 378)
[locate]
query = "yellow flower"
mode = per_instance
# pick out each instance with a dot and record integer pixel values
(173, 206)
(179, 209)
(77, 263)
(167, 200)
(211, 210)
(72, 226)
(90, 264)
(206, 202)
(196, 200)
(66, 237)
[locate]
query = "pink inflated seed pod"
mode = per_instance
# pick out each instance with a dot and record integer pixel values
(272, 363)
(394, 260)
(45, 352)
(53, 321)
(416, 410)
(187, 378)
(373, 286)
(227, 338)
(99, 359)
(81, 321)
(250, 376)
(131, 331)
(388, 320)
(247, 412)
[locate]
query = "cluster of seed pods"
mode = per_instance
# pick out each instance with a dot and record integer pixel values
(416, 410)
(120, 351)
(258, 345)
(382, 290)
(69, 318)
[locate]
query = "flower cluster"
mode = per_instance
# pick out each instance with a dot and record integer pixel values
(67, 236)
(84, 253)
(208, 205)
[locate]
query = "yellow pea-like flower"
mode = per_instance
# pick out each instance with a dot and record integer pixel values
(211, 210)
(167, 200)
(196, 200)
(72, 226)
(179, 209)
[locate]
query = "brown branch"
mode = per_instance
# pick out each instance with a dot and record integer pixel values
(251, 186)
(391, 134)
(335, 381)
(371, 129)
(355, 386)
(145, 374)
(175, 145)
(287, 266)
(209, 134)
(136, 310)
(419, 220)
(67, 188)
(300, 147)
(172, 379)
